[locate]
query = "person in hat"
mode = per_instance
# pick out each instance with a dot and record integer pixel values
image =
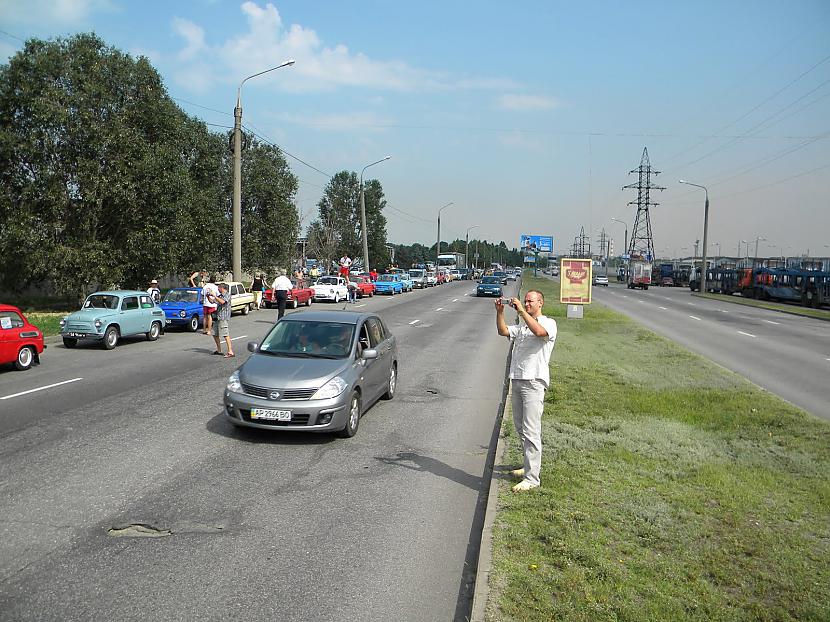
(154, 291)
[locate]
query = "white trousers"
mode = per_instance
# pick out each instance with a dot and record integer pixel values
(528, 400)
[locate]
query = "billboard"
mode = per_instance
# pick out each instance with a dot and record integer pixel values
(536, 243)
(575, 281)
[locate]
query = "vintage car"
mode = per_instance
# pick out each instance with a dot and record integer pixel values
(183, 308)
(242, 300)
(21, 343)
(389, 284)
(330, 288)
(489, 286)
(407, 283)
(365, 287)
(299, 294)
(109, 315)
(418, 277)
(432, 279)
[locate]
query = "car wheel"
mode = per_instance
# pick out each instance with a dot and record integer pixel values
(193, 325)
(295, 304)
(246, 309)
(69, 342)
(353, 420)
(153, 333)
(336, 298)
(110, 338)
(24, 358)
(393, 382)
(308, 301)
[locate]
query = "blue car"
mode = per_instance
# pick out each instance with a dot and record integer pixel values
(489, 286)
(388, 284)
(183, 308)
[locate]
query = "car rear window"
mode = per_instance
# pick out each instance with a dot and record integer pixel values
(10, 319)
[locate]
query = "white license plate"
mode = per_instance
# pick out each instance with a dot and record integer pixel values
(76, 335)
(271, 415)
(168, 321)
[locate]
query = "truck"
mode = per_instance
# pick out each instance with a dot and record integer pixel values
(639, 273)
(666, 275)
(452, 261)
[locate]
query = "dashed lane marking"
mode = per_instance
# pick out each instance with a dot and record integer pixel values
(695, 318)
(455, 299)
(240, 337)
(363, 305)
(663, 308)
(771, 322)
(692, 304)
(48, 386)
(414, 322)
(440, 309)
(747, 334)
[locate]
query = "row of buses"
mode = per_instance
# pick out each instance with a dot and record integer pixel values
(810, 288)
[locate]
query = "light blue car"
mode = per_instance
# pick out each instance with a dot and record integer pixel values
(389, 284)
(107, 316)
(406, 282)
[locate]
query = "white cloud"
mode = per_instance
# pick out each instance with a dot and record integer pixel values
(193, 35)
(345, 122)
(527, 102)
(521, 140)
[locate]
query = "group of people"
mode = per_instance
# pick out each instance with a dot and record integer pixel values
(216, 306)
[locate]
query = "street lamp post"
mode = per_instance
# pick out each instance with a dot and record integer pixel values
(467, 247)
(705, 233)
(438, 243)
(755, 257)
(236, 262)
(363, 231)
(625, 248)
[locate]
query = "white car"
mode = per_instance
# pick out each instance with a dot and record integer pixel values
(600, 279)
(330, 288)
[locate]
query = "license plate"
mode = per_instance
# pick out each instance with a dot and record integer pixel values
(168, 321)
(271, 415)
(76, 335)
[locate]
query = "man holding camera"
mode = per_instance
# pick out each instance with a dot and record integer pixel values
(533, 342)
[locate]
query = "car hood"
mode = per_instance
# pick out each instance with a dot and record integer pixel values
(264, 370)
(90, 315)
(178, 305)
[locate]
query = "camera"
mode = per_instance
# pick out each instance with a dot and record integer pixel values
(506, 301)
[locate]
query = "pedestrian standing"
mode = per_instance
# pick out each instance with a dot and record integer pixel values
(154, 291)
(314, 274)
(258, 286)
(351, 287)
(209, 293)
(281, 287)
(198, 278)
(533, 342)
(345, 264)
(221, 326)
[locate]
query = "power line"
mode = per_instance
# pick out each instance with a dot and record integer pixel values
(273, 144)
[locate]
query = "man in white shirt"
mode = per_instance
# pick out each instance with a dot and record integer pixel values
(281, 286)
(154, 291)
(533, 342)
(209, 293)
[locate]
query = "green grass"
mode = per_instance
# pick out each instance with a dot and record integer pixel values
(48, 322)
(766, 304)
(672, 489)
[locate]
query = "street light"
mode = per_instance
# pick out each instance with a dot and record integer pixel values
(237, 173)
(625, 248)
(747, 249)
(363, 216)
(755, 257)
(718, 245)
(467, 248)
(705, 233)
(438, 244)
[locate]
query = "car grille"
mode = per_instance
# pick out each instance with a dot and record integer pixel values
(79, 326)
(285, 394)
(298, 419)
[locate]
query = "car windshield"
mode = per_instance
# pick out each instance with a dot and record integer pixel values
(182, 295)
(490, 280)
(416, 273)
(386, 277)
(308, 339)
(101, 301)
(327, 280)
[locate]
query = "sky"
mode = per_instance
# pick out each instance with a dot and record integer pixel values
(526, 116)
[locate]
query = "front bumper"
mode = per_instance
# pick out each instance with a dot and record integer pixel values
(306, 415)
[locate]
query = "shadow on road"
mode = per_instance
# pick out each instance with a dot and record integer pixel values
(221, 426)
(417, 462)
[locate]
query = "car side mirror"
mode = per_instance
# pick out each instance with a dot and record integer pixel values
(369, 353)
(252, 346)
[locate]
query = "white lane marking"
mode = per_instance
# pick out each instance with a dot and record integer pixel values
(747, 334)
(663, 308)
(440, 309)
(240, 337)
(455, 299)
(466, 294)
(414, 322)
(695, 318)
(625, 295)
(723, 310)
(693, 304)
(363, 305)
(667, 298)
(771, 322)
(48, 386)
(641, 301)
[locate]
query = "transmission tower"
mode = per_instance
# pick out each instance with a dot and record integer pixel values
(642, 242)
(582, 245)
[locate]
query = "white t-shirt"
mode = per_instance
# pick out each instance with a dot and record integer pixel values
(345, 261)
(281, 283)
(531, 354)
(209, 289)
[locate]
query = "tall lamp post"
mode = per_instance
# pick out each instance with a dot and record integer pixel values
(705, 233)
(625, 248)
(363, 231)
(237, 173)
(467, 247)
(755, 258)
(438, 244)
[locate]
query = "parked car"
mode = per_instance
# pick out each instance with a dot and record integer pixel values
(108, 316)
(21, 343)
(389, 284)
(183, 308)
(418, 276)
(600, 279)
(403, 275)
(299, 294)
(365, 287)
(432, 279)
(501, 275)
(242, 301)
(489, 286)
(330, 288)
(315, 371)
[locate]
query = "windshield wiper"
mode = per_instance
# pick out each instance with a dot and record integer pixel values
(298, 355)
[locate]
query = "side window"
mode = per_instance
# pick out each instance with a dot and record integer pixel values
(130, 303)
(235, 290)
(146, 303)
(242, 289)
(10, 319)
(375, 329)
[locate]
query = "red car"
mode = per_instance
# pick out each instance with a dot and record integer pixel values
(299, 295)
(365, 287)
(21, 343)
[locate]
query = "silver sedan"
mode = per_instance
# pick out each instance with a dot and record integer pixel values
(315, 371)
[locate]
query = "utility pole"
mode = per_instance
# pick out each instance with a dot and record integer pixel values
(642, 242)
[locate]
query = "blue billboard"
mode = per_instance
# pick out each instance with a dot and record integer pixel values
(537, 243)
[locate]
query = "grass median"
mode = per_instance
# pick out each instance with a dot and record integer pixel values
(672, 489)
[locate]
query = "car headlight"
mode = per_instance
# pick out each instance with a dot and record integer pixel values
(97, 323)
(63, 322)
(234, 385)
(332, 388)
(182, 313)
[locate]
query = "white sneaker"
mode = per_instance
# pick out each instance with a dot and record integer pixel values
(523, 486)
(518, 473)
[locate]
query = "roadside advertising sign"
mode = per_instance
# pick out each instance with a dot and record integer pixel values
(536, 243)
(575, 281)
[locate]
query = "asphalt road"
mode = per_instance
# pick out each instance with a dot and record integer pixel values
(253, 526)
(785, 354)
